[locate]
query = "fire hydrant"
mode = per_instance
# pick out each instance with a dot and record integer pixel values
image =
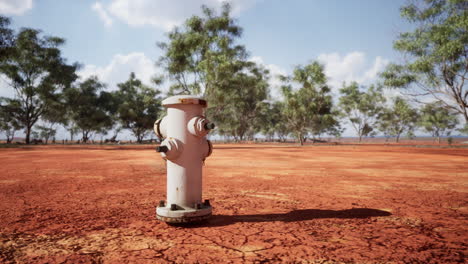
(184, 148)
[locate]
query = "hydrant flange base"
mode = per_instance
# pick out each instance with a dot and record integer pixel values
(183, 215)
(180, 220)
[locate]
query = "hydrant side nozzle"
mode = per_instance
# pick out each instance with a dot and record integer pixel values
(209, 126)
(162, 149)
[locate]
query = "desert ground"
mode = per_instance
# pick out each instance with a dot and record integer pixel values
(273, 203)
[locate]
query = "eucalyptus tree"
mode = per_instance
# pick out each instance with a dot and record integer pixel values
(361, 108)
(400, 118)
(90, 108)
(242, 110)
(8, 124)
(6, 38)
(203, 58)
(329, 124)
(307, 104)
(139, 106)
(38, 74)
(436, 53)
(201, 55)
(46, 132)
(438, 120)
(272, 121)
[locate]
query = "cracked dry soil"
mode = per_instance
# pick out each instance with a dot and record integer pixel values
(272, 204)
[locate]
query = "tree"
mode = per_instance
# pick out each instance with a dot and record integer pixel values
(240, 115)
(8, 124)
(139, 106)
(272, 121)
(310, 103)
(361, 107)
(327, 124)
(202, 54)
(38, 73)
(438, 120)
(6, 38)
(202, 58)
(55, 114)
(436, 52)
(90, 108)
(46, 133)
(398, 119)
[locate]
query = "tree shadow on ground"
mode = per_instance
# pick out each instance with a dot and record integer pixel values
(293, 216)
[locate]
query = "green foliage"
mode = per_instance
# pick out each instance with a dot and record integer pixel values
(272, 122)
(8, 124)
(327, 124)
(361, 107)
(38, 73)
(46, 133)
(311, 104)
(202, 55)
(438, 120)
(90, 108)
(398, 119)
(436, 52)
(6, 38)
(244, 104)
(139, 106)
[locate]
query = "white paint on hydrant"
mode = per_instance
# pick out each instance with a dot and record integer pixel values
(184, 148)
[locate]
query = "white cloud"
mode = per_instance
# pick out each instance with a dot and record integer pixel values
(166, 14)
(378, 66)
(15, 7)
(102, 13)
(275, 83)
(119, 69)
(353, 66)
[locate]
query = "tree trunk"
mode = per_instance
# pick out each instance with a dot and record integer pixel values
(438, 139)
(465, 114)
(397, 138)
(10, 136)
(85, 136)
(360, 138)
(71, 136)
(28, 134)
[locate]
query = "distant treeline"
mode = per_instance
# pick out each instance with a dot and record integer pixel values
(203, 57)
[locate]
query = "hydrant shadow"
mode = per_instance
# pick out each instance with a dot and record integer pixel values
(293, 216)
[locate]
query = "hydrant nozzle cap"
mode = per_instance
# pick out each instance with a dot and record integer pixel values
(209, 126)
(162, 149)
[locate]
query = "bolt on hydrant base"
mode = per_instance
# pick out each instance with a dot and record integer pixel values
(184, 148)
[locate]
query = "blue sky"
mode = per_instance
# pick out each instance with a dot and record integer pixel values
(111, 38)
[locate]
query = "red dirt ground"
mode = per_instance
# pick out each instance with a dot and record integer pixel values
(272, 203)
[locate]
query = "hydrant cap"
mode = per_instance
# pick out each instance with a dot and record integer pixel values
(184, 99)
